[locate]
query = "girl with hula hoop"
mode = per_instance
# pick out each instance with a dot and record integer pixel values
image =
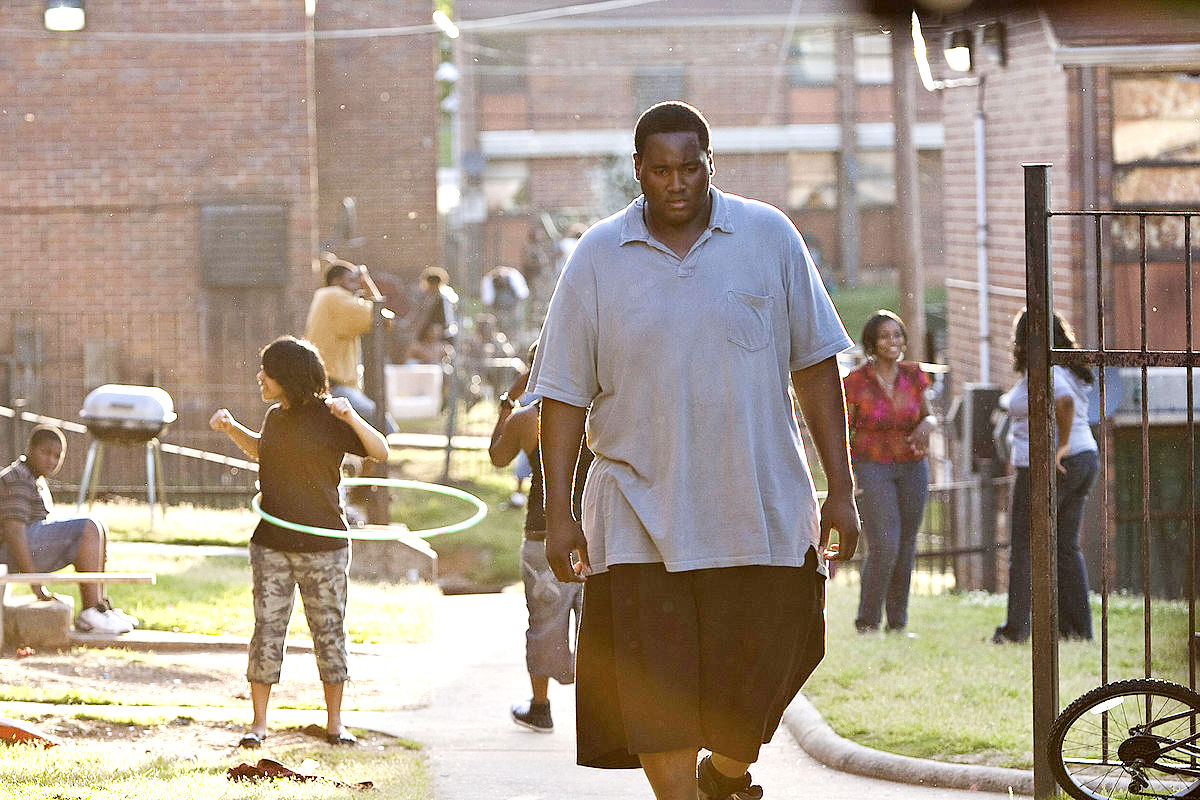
(299, 451)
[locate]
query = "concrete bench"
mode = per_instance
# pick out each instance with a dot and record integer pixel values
(35, 623)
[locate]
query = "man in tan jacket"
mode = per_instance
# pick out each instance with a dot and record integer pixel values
(337, 317)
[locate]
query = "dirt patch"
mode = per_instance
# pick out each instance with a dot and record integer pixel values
(388, 681)
(180, 738)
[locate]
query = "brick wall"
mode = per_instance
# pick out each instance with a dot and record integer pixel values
(376, 101)
(1028, 119)
(113, 145)
(584, 79)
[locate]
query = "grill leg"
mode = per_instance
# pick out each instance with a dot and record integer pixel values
(89, 469)
(158, 477)
(151, 493)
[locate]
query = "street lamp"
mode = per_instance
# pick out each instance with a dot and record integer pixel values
(64, 15)
(958, 51)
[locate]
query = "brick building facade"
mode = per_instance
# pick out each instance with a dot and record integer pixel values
(1107, 95)
(172, 170)
(548, 105)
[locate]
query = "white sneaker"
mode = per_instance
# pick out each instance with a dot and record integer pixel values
(93, 620)
(133, 621)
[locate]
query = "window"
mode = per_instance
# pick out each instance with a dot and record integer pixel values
(873, 58)
(501, 64)
(506, 185)
(876, 179)
(243, 245)
(1156, 159)
(812, 181)
(810, 59)
(655, 84)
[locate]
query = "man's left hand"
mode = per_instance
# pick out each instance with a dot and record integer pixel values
(839, 513)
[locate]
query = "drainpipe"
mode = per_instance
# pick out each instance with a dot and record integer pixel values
(981, 239)
(922, 58)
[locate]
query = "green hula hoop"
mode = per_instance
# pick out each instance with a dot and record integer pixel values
(383, 535)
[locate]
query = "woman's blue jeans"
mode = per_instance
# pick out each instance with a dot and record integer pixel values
(891, 503)
(1074, 613)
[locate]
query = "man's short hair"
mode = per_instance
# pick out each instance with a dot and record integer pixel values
(44, 433)
(335, 272)
(673, 116)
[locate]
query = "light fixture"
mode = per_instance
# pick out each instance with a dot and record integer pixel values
(445, 24)
(958, 51)
(64, 15)
(993, 47)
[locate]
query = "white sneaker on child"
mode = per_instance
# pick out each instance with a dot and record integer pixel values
(93, 620)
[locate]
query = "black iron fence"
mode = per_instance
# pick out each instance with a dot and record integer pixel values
(1141, 265)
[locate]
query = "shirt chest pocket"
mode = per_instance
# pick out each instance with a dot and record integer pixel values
(748, 319)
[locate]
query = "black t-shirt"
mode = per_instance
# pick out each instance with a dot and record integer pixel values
(299, 469)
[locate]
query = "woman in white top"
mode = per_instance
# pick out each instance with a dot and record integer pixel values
(1077, 463)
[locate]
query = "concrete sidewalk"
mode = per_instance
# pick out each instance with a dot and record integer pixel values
(477, 753)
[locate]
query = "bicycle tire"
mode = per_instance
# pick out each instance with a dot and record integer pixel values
(1095, 755)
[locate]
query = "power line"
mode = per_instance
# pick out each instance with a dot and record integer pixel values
(268, 37)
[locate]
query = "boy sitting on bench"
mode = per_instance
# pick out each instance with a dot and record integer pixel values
(33, 543)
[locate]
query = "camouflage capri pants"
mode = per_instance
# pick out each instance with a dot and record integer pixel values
(322, 578)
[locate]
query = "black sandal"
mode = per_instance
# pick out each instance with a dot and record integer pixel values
(251, 740)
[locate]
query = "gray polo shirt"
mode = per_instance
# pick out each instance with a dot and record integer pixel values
(686, 366)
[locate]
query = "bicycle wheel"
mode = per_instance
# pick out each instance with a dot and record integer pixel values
(1130, 739)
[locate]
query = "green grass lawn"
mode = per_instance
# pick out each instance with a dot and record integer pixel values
(486, 554)
(91, 772)
(856, 305)
(212, 596)
(490, 552)
(184, 523)
(949, 693)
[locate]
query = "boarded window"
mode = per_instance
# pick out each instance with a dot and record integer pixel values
(1156, 160)
(243, 245)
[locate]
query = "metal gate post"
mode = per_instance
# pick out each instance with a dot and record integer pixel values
(374, 359)
(1042, 550)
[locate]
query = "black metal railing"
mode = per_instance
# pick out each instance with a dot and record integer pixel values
(1129, 463)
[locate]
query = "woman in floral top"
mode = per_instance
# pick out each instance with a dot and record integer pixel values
(890, 423)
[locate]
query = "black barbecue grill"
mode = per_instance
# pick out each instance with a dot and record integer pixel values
(126, 415)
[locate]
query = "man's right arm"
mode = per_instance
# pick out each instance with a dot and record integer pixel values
(560, 436)
(19, 554)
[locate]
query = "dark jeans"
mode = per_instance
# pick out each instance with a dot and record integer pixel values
(1074, 613)
(891, 503)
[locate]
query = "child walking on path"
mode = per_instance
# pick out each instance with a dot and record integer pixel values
(304, 436)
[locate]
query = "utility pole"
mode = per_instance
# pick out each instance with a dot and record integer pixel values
(847, 178)
(910, 257)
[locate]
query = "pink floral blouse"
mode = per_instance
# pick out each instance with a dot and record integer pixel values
(882, 424)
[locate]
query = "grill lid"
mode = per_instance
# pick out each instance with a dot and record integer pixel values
(116, 404)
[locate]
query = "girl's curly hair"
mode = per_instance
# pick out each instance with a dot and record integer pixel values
(297, 367)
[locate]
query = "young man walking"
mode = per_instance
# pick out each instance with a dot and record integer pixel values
(678, 330)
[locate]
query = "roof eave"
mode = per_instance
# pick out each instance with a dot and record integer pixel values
(1136, 56)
